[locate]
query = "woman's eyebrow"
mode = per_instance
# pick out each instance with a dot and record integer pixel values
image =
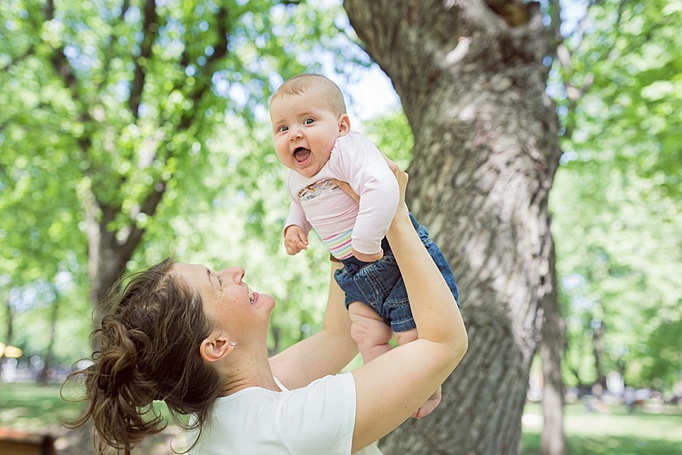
(210, 280)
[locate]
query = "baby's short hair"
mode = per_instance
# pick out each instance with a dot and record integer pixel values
(303, 83)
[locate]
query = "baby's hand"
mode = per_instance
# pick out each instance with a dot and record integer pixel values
(295, 239)
(367, 257)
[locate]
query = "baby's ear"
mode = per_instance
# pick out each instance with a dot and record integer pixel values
(344, 124)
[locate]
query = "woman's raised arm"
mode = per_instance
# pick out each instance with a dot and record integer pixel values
(390, 388)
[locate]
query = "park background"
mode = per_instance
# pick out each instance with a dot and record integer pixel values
(135, 130)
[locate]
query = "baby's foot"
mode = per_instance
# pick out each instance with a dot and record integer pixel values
(429, 405)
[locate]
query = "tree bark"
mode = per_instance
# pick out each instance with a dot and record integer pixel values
(472, 82)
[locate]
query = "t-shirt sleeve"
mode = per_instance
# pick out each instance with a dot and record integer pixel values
(319, 418)
(297, 217)
(296, 214)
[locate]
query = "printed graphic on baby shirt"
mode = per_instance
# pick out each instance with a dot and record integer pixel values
(317, 189)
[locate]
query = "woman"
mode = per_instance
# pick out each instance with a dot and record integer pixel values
(197, 339)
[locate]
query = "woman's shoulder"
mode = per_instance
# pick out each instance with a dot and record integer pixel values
(342, 382)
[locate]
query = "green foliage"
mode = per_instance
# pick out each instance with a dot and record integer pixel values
(631, 114)
(391, 133)
(615, 200)
(105, 102)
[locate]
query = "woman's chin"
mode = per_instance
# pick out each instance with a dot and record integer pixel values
(264, 301)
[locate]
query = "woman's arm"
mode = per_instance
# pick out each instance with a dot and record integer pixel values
(390, 388)
(326, 352)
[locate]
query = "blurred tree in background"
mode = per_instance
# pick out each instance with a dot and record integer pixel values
(616, 201)
(125, 127)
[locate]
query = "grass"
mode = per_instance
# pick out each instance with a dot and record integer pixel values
(40, 409)
(32, 407)
(611, 431)
(28, 406)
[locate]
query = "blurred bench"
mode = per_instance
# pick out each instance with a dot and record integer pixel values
(14, 442)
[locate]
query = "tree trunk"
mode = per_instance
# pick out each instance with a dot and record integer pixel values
(553, 439)
(108, 250)
(9, 315)
(44, 374)
(598, 329)
(112, 242)
(472, 79)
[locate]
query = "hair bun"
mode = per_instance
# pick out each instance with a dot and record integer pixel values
(119, 375)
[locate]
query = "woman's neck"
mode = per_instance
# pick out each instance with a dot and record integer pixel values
(250, 374)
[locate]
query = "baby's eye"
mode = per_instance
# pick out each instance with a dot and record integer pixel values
(282, 128)
(308, 121)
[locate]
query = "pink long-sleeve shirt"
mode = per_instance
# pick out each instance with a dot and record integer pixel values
(319, 204)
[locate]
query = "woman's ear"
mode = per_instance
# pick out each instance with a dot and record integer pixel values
(344, 124)
(213, 349)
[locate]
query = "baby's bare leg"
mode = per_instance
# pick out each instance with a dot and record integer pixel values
(405, 337)
(369, 331)
(434, 400)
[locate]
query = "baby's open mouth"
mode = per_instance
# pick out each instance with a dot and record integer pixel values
(301, 154)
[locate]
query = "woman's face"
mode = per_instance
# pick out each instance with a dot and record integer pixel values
(228, 301)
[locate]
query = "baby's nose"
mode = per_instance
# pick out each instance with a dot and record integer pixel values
(294, 133)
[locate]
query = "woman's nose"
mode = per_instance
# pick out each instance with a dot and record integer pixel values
(235, 273)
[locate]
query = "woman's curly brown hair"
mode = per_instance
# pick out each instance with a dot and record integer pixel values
(148, 350)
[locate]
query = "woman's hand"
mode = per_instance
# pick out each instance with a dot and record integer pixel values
(347, 189)
(401, 176)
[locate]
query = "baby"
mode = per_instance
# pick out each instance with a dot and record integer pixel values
(313, 138)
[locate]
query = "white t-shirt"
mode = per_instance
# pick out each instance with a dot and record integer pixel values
(313, 420)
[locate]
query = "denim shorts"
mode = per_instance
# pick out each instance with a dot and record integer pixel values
(380, 285)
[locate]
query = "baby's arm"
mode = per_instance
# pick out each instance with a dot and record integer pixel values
(370, 177)
(296, 229)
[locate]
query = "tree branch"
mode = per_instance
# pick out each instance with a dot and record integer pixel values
(18, 58)
(513, 12)
(153, 199)
(204, 84)
(108, 53)
(149, 30)
(149, 207)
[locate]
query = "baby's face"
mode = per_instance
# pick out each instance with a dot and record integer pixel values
(305, 129)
